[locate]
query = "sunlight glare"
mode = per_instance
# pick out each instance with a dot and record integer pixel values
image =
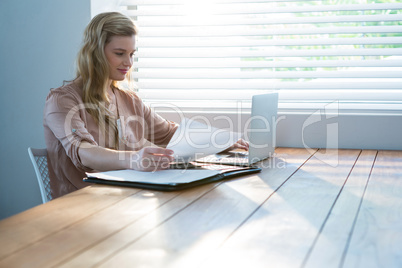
(196, 10)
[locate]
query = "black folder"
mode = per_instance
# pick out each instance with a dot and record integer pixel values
(171, 179)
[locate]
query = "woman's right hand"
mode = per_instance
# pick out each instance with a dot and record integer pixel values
(102, 159)
(151, 159)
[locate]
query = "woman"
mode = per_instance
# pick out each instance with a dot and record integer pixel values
(92, 124)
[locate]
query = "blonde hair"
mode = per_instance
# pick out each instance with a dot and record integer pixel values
(93, 66)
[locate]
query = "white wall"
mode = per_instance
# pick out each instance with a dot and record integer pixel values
(39, 43)
(317, 129)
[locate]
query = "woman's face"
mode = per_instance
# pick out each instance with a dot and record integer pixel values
(120, 55)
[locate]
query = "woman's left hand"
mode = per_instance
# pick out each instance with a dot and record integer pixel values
(240, 144)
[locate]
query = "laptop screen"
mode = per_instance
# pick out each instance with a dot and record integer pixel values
(261, 128)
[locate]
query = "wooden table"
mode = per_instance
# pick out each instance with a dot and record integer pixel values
(307, 208)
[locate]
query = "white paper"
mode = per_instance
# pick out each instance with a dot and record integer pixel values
(194, 140)
(168, 176)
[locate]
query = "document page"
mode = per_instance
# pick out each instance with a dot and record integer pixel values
(169, 176)
(194, 140)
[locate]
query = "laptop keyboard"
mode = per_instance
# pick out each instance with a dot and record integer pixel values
(232, 159)
(226, 158)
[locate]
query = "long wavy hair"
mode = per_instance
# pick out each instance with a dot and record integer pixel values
(93, 67)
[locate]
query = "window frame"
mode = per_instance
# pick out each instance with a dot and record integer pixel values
(360, 125)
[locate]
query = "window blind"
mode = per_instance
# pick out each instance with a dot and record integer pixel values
(309, 51)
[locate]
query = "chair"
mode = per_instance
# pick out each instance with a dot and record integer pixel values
(39, 161)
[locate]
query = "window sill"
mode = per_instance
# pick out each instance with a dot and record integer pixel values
(244, 107)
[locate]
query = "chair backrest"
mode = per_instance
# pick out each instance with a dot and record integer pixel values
(39, 162)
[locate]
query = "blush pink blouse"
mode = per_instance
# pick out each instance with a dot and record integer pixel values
(67, 123)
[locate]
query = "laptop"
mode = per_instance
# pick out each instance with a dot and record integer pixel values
(260, 132)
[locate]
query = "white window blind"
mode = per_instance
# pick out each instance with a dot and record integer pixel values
(310, 51)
